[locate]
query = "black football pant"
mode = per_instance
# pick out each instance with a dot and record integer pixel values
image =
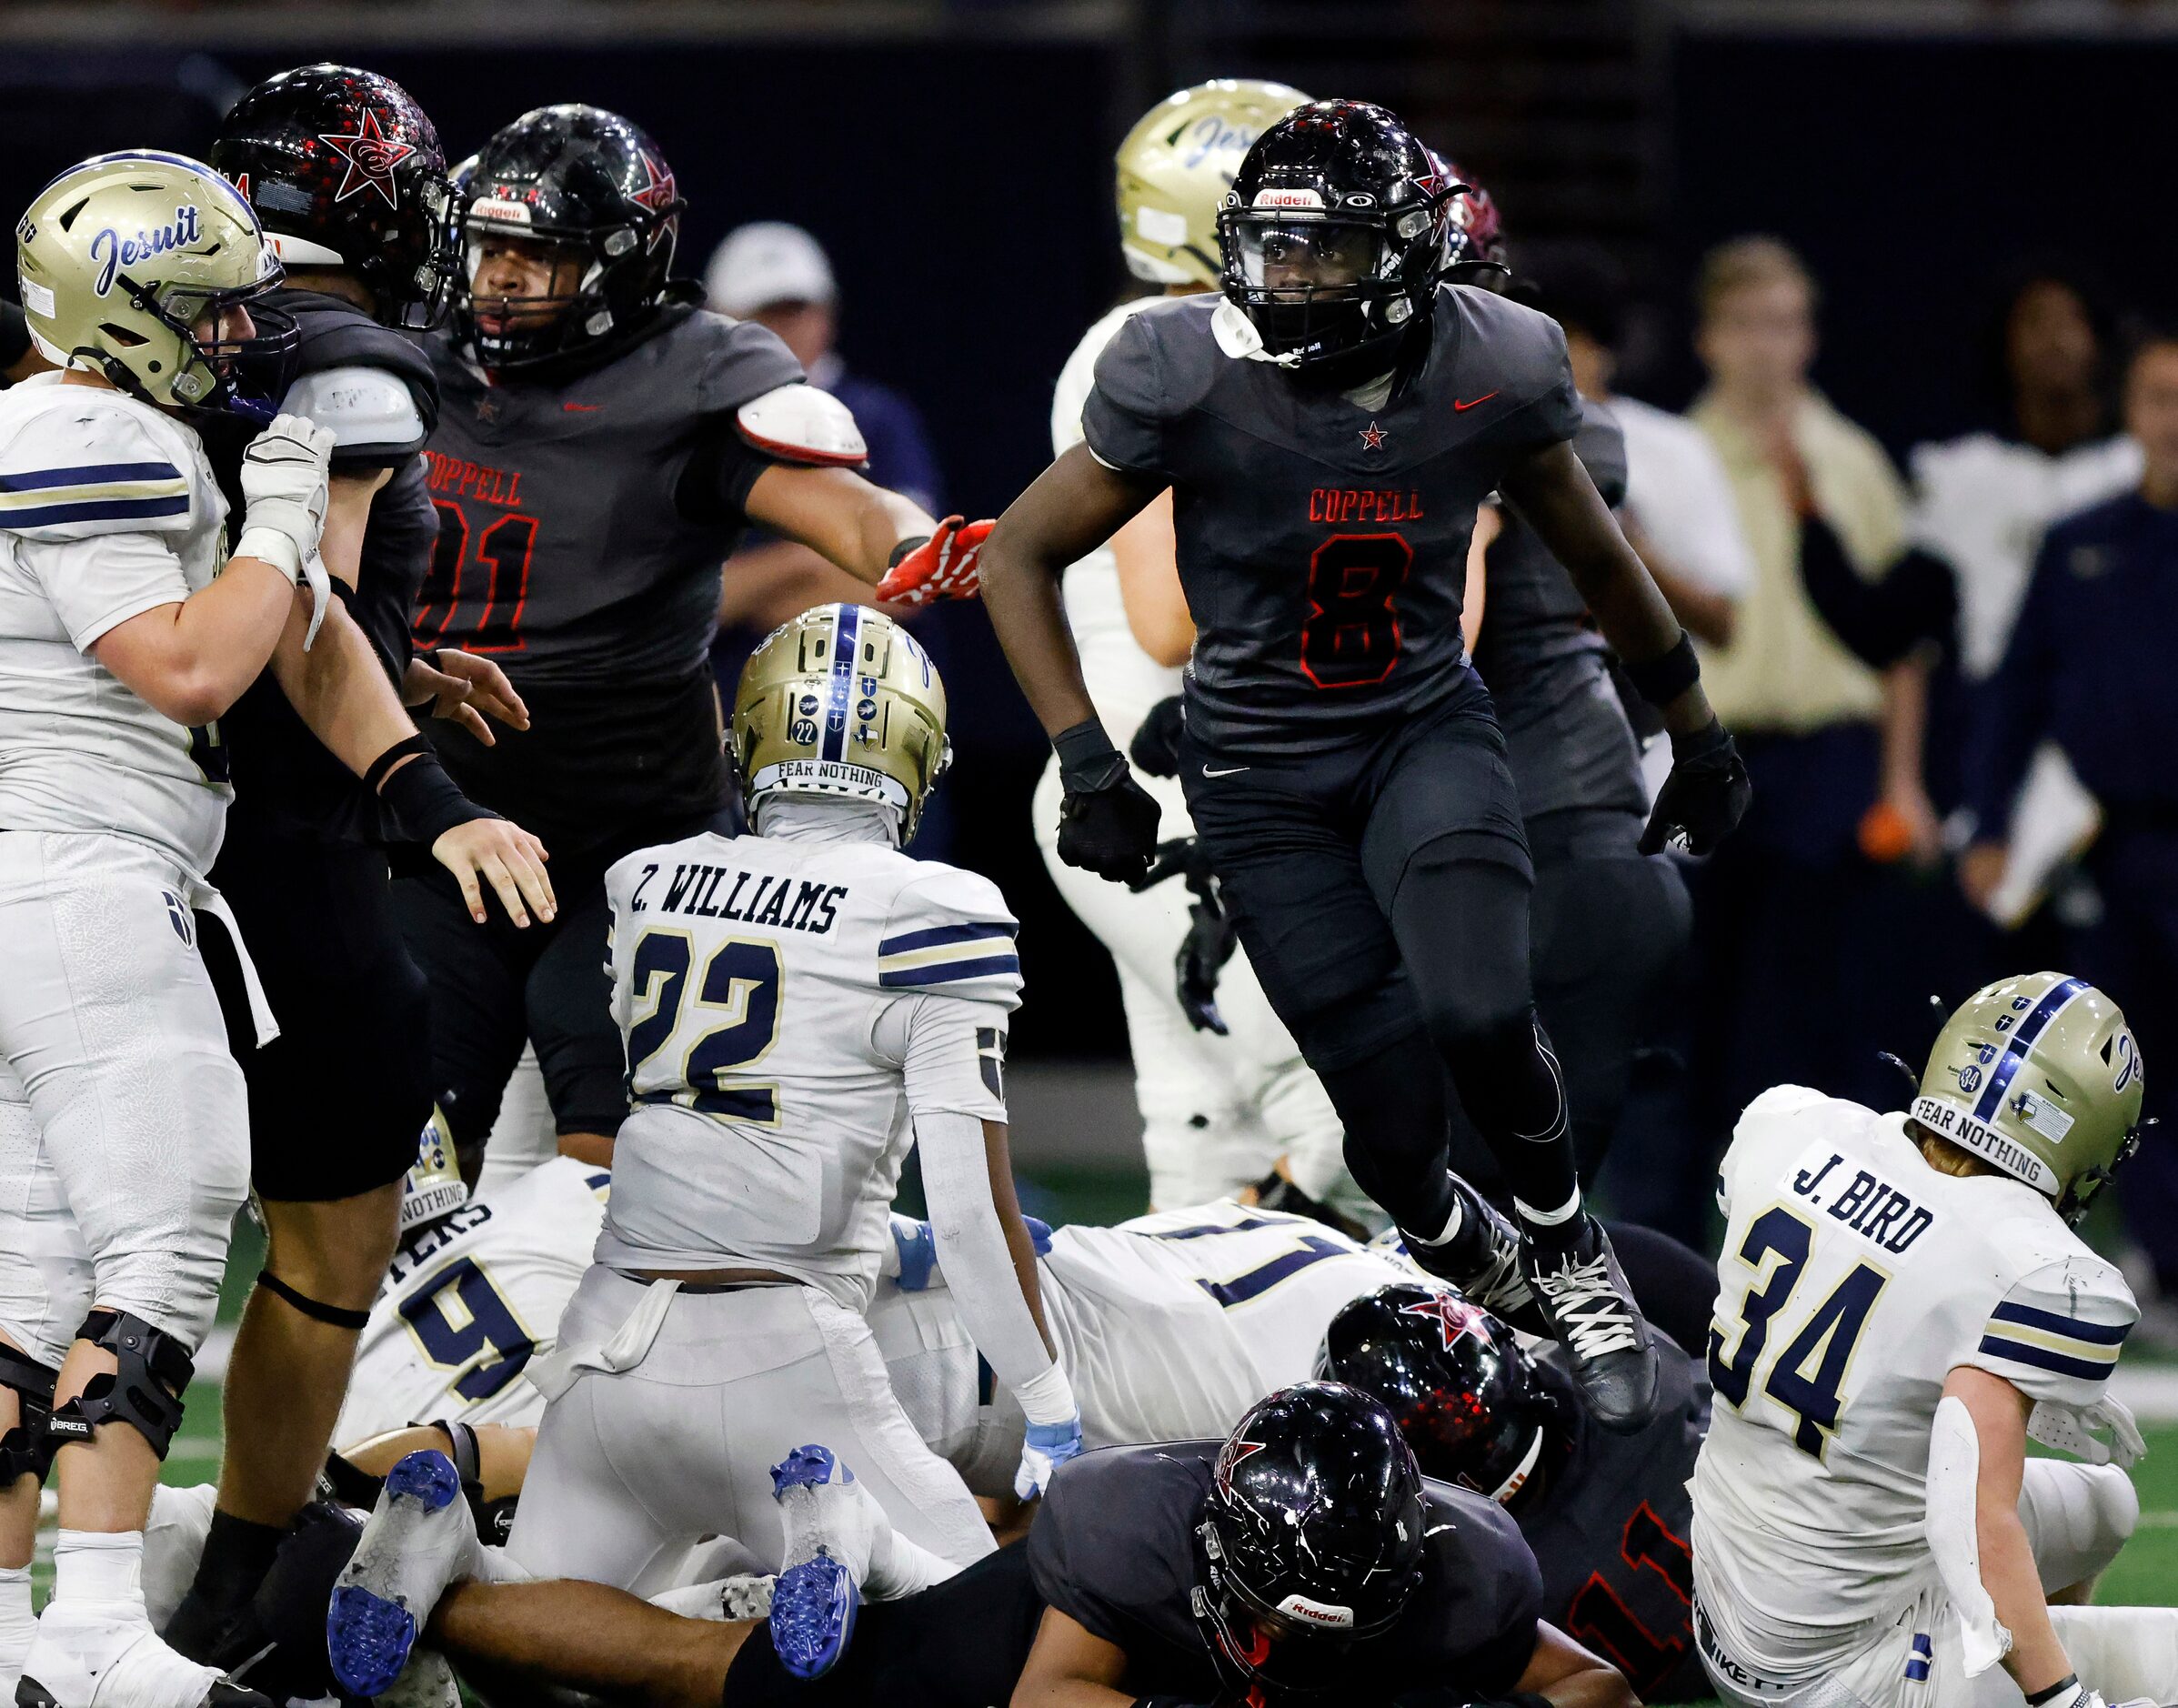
(1381, 891)
(1609, 927)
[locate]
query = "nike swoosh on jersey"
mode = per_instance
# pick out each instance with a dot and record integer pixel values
(1460, 406)
(1230, 770)
(582, 408)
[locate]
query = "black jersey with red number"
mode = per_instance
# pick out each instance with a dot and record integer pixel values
(1610, 1529)
(1116, 1549)
(582, 524)
(1321, 540)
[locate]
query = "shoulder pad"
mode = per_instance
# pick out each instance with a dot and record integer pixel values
(1161, 360)
(950, 931)
(800, 424)
(94, 467)
(370, 411)
(734, 361)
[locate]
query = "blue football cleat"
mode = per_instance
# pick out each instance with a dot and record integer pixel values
(816, 1598)
(417, 1540)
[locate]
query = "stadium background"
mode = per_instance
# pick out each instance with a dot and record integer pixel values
(954, 160)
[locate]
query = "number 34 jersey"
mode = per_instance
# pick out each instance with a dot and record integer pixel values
(1854, 1279)
(787, 1001)
(1322, 537)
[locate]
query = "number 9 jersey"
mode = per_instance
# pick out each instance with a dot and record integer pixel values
(1854, 1278)
(788, 1003)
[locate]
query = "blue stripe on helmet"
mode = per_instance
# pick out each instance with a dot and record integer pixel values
(2053, 1002)
(844, 647)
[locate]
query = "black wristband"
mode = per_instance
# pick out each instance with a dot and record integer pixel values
(901, 551)
(1087, 758)
(425, 802)
(1661, 680)
(2071, 1680)
(1698, 744)
(374, 774)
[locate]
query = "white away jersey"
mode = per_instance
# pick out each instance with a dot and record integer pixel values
(1172, 1325)
(468, 1302)
(107, 509)
(1124, 682)
(1854, 1278)
(778, 995)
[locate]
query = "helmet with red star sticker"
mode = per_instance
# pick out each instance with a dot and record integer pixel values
(1310, 1537)
(1474, 231)
(344, 172)
(592, 191)
(1464, 1395)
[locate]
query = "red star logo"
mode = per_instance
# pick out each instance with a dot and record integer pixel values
(370, 155)
(656, 195)
(1373, 437)
(1456, 1319)
(1229, 1460)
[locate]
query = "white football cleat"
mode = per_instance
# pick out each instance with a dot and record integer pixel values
(420, 1539)
(85, 1658)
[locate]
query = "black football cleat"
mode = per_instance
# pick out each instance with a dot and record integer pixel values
(1482, 1260)
(1582, 1297)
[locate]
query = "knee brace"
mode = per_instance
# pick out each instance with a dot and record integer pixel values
(24, 1450)
(144, 1389)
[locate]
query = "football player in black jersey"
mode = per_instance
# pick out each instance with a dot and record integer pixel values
(603, 442)
(1327, 427)
(346, 176)
(1607, 1516)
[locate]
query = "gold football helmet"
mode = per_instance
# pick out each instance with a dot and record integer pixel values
(119, 259)
(434, 1187)
(840, 702)
(1175, 168)
(2038, 1075)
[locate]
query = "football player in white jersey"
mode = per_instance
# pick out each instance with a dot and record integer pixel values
(799, 1005)
(122, 1117)
(1901, 1302)
(1219, 1110)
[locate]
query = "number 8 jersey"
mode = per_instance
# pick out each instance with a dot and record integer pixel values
(1322, 541)
(787, 1003)
(1854, 1279)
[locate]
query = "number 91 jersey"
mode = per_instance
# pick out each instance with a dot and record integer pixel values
(1854, 1279)
(786, 1003)
(1322, 539)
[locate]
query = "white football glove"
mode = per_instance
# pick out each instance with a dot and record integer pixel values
(2079, 1431)
(285, 475)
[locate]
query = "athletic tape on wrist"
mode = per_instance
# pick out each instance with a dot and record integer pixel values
(1661, 680)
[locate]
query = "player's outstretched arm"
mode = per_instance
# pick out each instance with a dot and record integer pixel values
(1708, 792)
(1564, 1674)
(1999, 1411)
(588, 1637)
(1070, 1666)
(837, 513)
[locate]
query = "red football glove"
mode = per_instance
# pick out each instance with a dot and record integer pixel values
(942, 568)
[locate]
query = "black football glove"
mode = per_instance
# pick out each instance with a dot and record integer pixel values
(1108, 823)
(1155, 749)
(1211, 938)
(1704, 797)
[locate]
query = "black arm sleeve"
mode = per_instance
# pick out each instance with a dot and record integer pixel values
(1914, 604)
(14, 336)
(715, 484)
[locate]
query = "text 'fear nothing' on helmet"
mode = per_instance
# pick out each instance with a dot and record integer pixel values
(595, 190)
(125, 261)
(841, 703)
(1312, 1535)
(1452, 1376)
(1175, 168)
(1332, 235)
(2038, 1075)
(345, 170)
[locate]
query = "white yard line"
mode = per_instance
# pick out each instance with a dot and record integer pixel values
(2150, 1389)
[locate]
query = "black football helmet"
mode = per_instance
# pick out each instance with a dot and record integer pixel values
(1311, 1535)
(1452, 1376)
(1474, 232)
(345, 170)
(1333, 236)
(592, 182)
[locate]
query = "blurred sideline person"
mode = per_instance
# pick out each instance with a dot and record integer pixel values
(126, 630)
(328, 769)
(1792, 912)
(19, 357)
(2089, 668)
(1223, 1106)
(602, 442)
(1901, 1303)
(778, 276)
(800, 1004)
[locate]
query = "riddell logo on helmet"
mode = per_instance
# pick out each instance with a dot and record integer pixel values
(1298, 1606)
(1294, 197)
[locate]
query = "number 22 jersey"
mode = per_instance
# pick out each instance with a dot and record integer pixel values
(1322, 539)
(1854, 1279)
